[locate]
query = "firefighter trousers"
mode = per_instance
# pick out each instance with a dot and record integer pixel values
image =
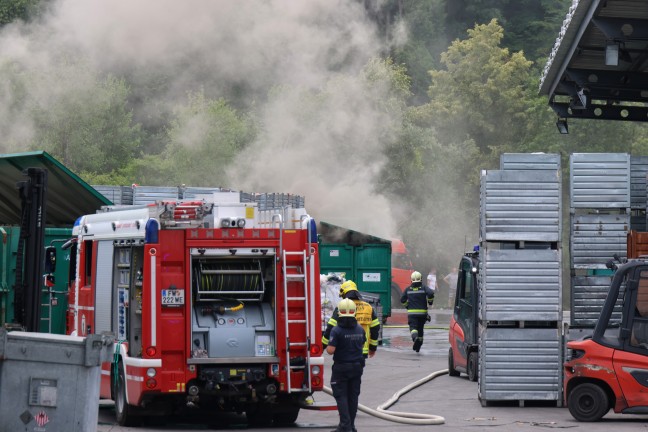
(345, 383)
(416, 323)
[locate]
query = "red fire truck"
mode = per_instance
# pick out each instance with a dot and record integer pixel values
(215, 307)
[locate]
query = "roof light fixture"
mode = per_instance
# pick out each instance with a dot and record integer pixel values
(561, 124)
(612, 54)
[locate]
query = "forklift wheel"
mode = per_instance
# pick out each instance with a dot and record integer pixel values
(588, 402)
(472, 366)
(451, 370)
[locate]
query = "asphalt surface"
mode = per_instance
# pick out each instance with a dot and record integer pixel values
(396, 366)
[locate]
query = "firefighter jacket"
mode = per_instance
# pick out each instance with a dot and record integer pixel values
(366, 317)
(416, 299)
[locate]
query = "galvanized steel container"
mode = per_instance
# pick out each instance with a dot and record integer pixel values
(529, 161)
(599, 180)
(150, 194)
(595, 238)
(588, 295)
(50, 382)
(520, 364)
(638, 171)
(198, 193)
(119, 195)
(521, 285)
(520, 205)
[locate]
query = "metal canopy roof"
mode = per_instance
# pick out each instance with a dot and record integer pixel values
(598, 68)
(68, 197)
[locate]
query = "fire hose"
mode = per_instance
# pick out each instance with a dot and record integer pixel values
(398, 416)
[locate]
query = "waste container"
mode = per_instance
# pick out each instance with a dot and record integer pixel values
(50, 382)
(362, 258)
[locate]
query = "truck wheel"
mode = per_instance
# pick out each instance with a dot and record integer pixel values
(472, 366)
(286, 418)
(258, 418)
(588, 402)
(124, 412)
(451, 370)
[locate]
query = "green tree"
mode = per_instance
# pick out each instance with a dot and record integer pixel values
(530, 26)
(426, 39)
(204, 138)
(85, 121)
(12, 10)
(481, 94)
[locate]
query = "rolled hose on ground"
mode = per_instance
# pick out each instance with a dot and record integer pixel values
(402, 417)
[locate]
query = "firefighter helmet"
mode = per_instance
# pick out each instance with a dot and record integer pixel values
(346, 287)
(416, 277)
(346, 308)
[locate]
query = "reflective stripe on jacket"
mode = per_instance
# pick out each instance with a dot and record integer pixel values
(366, 317)
(416, 298)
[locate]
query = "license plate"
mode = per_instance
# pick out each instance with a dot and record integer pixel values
(173, 297)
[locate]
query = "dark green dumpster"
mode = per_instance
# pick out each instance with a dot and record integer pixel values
(53, 301)
(363, 258)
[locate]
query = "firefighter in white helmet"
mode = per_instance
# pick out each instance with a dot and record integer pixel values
(345, 344)
(416, 298)
(365, 315)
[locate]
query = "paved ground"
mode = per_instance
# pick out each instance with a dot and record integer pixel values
(396, 366)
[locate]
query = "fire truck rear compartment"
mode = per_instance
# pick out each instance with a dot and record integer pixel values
(233, 326)
(232, 313)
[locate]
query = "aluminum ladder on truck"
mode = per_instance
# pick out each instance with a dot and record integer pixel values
(292, 273)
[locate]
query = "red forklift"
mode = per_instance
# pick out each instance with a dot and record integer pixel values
(463, 354)
(609, 370)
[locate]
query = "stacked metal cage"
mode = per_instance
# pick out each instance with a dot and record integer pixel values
(520, 280)
(638, 195)
(600, 215)
(144, 195)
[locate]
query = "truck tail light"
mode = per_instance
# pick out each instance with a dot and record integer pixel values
(151, 383)
(151, 351)
(315, 349)
(316, 381)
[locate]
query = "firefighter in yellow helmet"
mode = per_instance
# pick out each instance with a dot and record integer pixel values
(365, 315)
(416, 298)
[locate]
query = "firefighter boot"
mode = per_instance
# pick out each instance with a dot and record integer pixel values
(417, 344)
(414, 334)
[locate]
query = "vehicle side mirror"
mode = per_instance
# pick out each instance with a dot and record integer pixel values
(50, 259)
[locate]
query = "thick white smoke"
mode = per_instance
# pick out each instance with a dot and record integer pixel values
(291, 50)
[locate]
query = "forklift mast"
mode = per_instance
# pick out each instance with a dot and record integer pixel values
(29, 259)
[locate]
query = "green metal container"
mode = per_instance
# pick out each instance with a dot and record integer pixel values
(53, 304)
(363, 258)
